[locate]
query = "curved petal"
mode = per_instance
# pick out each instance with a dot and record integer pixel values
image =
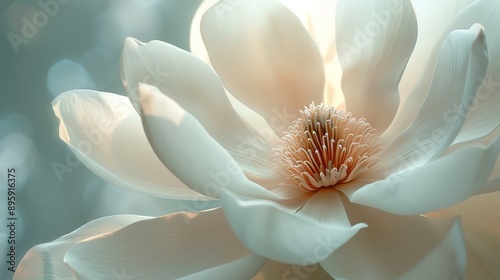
(483, 117)
(374, 42)
(275, 270)
(100, 128)
(400, 247)
(286, 233)
(436, 185)
(45, 261)
(493, 183)
(186, 148)
(243, 269)
(479, 215)
(170, 247)
(487, 122)
(433, 18)
(191, 83)
(196, 45)
(462, 64)
(318, 17)
(264, 57)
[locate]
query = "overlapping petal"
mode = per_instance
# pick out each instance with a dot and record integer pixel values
(285, 231)
(433, 18)
(177, 246)
(482, 236)
(265, 58)
(318, 17)
(436, 185)
(482, 118)
(461, 67)
(191, 83)
(46, 261)
(105, 134)
(398, 247)
(186, 148)
(196, 45)
(373, 48)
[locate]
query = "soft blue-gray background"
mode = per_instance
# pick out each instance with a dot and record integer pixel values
(78, 47)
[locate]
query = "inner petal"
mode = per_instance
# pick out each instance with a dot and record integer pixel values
(326, 147)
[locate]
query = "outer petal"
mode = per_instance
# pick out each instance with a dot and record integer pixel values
(104, 132)
(397, 247)
(479, 215)
(264, 57)
(462, 64)
(374, 42)
(493, 183)
(191, 83)
(186, 148)
(436, 185)
(181, 245)
(45, 261)
(285, 234)
(483, 117)
(433, 18)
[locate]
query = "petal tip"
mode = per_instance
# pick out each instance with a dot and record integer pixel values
(131, 43)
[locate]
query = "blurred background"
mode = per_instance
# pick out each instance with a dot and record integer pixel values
(48, 47)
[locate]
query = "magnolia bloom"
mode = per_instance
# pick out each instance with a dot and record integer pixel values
(331, 177)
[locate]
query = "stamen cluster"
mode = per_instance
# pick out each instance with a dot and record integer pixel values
(326, 147)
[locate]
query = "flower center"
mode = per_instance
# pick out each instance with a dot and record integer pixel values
(326, 147)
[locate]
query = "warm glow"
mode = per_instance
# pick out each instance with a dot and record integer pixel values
(326, 147)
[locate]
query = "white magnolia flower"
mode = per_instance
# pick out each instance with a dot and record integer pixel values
(349, 188)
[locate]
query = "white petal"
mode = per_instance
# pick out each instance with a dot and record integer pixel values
(105, 134)
(483, 117)
(264, 57)
(400, 247)
(479, 215)
(45, 261)
(374, 42)
(318, 17)
(493, 183)
(196, 45)
(186, 148)
(462, 63)
(433, 18)
(436, 185)
(169, 247)
(488, 121)
(243, 269)
(275, 270)
(194, 85)
(278, 232)
(248, 115)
